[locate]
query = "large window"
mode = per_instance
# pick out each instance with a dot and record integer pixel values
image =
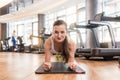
(27, 34)
(35, 33)
(104, 34)
(20, 29)
(72, 14)
(112, 8)
(25, 28)
(69, 15)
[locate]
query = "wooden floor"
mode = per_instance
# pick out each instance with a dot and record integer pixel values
(22, 66)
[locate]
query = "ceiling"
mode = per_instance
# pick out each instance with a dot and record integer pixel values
(4, 2)
(39, 7)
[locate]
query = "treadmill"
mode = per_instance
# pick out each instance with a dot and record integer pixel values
(98, 51)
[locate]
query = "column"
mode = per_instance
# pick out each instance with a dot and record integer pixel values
(91, 11)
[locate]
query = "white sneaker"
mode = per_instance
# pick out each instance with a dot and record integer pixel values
(15, 49)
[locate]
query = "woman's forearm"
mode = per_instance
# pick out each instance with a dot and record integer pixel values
(71, 59)
(47, 57)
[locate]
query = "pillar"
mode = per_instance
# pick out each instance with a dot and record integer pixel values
(91, 11)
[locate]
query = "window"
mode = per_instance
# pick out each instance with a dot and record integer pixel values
(35, 33)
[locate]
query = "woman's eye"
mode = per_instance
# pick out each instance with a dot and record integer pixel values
(62, 32)
(56, 32)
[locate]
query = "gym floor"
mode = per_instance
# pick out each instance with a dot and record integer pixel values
(22, 66)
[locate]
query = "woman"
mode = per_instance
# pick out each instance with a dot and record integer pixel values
(14, 40)
(59, 42)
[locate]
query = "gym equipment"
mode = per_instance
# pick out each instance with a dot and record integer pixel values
(101, 17)
(35, 48)
(42, 37)
(107, 53)
(42, 40)
(71, 29)
(119, 60)
(98, 51)
(59, 68)
(20, 44)
(5, 44)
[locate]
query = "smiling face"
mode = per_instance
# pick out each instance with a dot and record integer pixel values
(59, 33)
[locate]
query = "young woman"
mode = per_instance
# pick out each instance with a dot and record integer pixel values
(60, 43)
(13, 38)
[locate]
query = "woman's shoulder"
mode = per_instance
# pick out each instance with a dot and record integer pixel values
(48, 40)
(70, 41)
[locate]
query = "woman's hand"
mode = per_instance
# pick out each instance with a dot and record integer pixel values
(47, 66)
(72, 65)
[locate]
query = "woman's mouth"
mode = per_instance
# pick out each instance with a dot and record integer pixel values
(59, 38)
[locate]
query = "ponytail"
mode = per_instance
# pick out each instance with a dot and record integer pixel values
(66, 50)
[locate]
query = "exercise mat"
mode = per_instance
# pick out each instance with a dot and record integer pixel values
(60, 68)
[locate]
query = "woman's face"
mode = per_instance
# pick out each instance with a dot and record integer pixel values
(59, 33)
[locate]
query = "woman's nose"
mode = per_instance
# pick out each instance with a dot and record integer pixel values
(59, 35)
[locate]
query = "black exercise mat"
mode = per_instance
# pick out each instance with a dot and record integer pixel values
(59, 67)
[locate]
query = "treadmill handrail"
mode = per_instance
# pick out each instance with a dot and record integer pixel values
(101, 17)
(109, 28)
(80, 37)
(90, 26)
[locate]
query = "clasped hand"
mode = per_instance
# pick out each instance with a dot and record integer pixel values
(47, 66)
(72, 65)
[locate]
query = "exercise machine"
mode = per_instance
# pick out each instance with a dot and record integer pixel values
(42, 39)
(98, 51)
(20, 44)
(36, 48)
(5, 44)
(102, 17)
(119, 60)
(78, 37)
